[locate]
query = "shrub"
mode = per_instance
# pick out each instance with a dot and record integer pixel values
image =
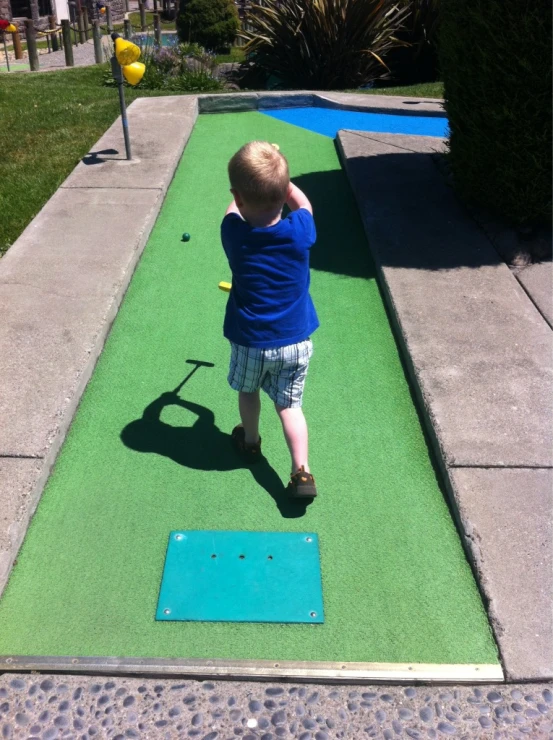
(176, 68)
(211, 23)
(417, 60)
(495, 58)
(322, 44)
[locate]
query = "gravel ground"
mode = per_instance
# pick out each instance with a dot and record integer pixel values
(49, 707)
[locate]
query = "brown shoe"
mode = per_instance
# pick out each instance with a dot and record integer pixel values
(302, 485)
(250, 453)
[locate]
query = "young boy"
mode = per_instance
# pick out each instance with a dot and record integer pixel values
(270, 315)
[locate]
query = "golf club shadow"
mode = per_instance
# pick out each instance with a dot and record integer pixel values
(202, 446)
(96, 158)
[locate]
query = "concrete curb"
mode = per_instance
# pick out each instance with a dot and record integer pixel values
(236, 102)
(482, 377)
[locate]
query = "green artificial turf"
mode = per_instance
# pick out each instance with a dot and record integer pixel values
(140, 461)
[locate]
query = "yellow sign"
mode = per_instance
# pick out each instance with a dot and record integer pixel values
(134, 72)
(11, 28)
(126, 52)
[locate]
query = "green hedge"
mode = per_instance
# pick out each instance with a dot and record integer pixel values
(495, 58)
(212, 24)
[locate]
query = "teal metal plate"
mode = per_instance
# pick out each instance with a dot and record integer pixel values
(213, 576)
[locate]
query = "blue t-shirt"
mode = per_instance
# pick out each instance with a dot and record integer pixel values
(269, 305)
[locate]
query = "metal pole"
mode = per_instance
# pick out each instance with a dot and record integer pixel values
(52, 26)
(31, 44)
(17, 45)
(6, 52)
(157, 29)
(67, 46)
(118, 75)
(127, 33)
(97, 36)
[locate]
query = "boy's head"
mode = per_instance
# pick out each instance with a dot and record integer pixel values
(259, 176)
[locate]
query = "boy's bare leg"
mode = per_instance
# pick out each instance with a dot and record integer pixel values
(295, 432)
(249, 405)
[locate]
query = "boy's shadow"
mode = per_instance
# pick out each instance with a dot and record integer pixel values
(203, 446)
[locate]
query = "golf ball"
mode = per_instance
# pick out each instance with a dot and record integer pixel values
(186, 237)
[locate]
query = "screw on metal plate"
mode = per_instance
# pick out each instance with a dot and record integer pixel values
(213, 556)
(167, 611)
(180, 537)
(313, 614)
(309, 539)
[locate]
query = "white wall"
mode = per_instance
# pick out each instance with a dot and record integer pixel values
(61, 9)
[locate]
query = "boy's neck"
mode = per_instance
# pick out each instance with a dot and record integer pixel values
(261, 219)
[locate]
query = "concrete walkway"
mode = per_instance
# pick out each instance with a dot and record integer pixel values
(52, 707)
(83, 56)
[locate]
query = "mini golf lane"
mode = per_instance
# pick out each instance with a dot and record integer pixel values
(140, 460)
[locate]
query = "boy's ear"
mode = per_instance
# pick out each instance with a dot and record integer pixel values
(237, 199)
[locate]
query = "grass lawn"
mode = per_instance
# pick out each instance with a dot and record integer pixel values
(423, 90)
(236, 56)
(49, 121)
(135, 21)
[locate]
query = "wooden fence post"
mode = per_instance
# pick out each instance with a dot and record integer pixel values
(157, 29)
(31, 44)
(67, 46)
(97, 36)
(17, 45)
(52, 27)
(80, 23)
(142, 16)
(108, 19)
(86, 24)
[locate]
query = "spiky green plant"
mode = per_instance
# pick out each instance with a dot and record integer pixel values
(417, 60)
(323, 44)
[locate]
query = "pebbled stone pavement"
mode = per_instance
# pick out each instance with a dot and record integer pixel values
(50, 707)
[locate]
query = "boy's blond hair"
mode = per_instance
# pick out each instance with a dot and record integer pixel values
(259, 173)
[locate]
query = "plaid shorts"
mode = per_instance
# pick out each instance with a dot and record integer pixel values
(280, 372)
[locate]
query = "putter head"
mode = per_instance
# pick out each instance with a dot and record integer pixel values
(200, 363)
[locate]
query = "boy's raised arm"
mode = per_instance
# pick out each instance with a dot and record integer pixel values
(297, 199)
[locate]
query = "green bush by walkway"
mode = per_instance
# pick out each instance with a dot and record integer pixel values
(211, 23)
(496, 67)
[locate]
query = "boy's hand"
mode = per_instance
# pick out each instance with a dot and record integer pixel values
(297, 199)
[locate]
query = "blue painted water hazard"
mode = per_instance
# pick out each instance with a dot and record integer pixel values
(328, 121)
